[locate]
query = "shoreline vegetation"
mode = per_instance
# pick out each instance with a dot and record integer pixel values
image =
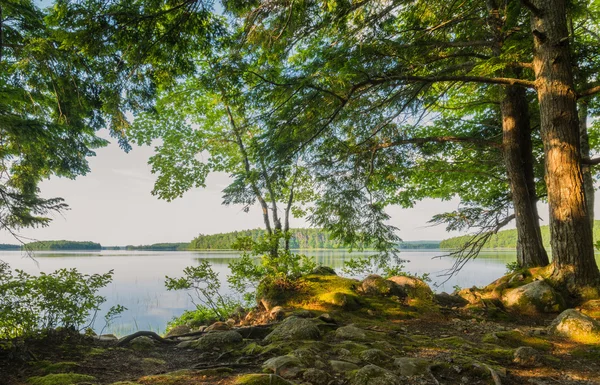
(507, 239)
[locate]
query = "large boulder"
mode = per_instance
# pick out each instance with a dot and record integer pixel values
(323, 270)
(576, 326)
(294, 328)
(217, 339)
(374, 375)
(533, 298)
(414, 287)
(379, 286)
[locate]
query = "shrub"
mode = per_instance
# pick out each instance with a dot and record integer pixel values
(64, 298)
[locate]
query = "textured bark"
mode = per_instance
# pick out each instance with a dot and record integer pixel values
(518, 157)
(588, 180)
(570, 231)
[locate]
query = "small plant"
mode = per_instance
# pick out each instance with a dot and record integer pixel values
(512, 267)
(113, 313)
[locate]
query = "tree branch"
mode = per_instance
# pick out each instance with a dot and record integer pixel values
(441, 139)
(588, 92)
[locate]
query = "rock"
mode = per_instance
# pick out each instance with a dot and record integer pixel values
(285, 366)
(414, 287)
(472, 295)
(108, 337)
(350, 332)
(533, 298)
(527, 356)
(325, 317)
(218, 326)
(376, 285)
(344, 300)
(374, 375)
(277, 313)
(576, 326)
(315, 376)
(142, 344)
(186, 344)
(220, 340)
(323, 270)
(304, 314)
(178, 330)
(294, 328)
(342, 366)
(447, 300)
(261, 379)
(374, 356)
(409, 366)
(591, 308)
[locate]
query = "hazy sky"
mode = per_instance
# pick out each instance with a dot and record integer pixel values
(113, 205)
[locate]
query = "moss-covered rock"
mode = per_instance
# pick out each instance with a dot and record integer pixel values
(61, 379)
(591, 308)
(261, 379)
(315, 376)
(339, 366)
(576, 326)
(410, 366)
(142, 344)
(515, 339)
(378, 286)
(374, 375)
(527, 356)
(343, 300)
(178, 330)
(533, 298)
(219, 340)
(294, 328)
(414, 287)
(351, 333)
(373, 356)
(323, 270)
(285, 366)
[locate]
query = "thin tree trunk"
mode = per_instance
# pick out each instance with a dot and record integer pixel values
(570, 231)
(588, 180)
(518, 157)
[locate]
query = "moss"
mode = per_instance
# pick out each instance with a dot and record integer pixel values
(96, 351)
(587, 353)
(185, 377)
(252, 349)
(454, 341)
(153, 361)
(260, 379)
(60, 379)
(516, 339)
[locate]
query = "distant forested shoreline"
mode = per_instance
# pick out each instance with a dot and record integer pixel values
(63, 245)
(507, 239)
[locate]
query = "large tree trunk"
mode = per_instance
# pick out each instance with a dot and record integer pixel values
(518, 157)
(588, 180)
(570, 231)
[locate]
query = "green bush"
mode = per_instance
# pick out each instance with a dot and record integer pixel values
(64, 298)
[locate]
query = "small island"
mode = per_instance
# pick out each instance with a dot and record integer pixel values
(62, 245)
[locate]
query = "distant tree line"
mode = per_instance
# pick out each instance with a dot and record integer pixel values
(412, 245)
(300, 239)
(63, 245)
(5, 246)
(508, 239)
(160, 246)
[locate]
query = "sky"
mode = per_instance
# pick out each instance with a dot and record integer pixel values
(113, 205)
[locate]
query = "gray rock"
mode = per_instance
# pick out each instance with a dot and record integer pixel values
(304, 314)
(342, 366)
(108, 337)
(285, 366)
(409, 366)
(325, 317)
(217, 339)
(374, 356)
(448, 300)
(527, 356)
(533, 298)
(294, 328)
(351, 332)
(315, 376)
(576, 326)
(376, 285)
(142, 344)
(186, 344)
(374, 375)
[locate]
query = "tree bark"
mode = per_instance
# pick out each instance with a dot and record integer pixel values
(588, 180)
(570, 231)
(518, 157)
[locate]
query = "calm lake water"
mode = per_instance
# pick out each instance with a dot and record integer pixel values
(138, 282)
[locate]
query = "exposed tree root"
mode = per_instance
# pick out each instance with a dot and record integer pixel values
(142, 333)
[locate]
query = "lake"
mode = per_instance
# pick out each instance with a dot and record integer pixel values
(138, 282)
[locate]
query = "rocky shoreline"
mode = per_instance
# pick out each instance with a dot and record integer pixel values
(339, 331)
